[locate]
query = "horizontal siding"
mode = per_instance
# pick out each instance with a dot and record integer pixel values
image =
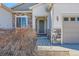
(5, 19)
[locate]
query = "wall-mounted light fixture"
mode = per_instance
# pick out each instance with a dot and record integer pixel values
(57, 18)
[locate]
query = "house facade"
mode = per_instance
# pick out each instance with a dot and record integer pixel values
(58, 21)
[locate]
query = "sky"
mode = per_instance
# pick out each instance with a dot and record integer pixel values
(10, 4)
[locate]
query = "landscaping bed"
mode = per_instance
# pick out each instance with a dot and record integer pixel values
(19, 42)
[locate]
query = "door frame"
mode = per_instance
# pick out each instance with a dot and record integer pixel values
(45, 25)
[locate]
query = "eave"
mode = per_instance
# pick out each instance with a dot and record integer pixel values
(21, 11)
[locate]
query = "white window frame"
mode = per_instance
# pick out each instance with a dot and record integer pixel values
(21, 16)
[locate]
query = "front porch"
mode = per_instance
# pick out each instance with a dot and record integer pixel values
(44, 40)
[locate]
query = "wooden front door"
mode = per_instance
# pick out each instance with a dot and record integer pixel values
(41, 26)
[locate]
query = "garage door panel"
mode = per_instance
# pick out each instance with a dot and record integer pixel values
(71, 41)
(71, 32)
(71, 25)
(71, 38)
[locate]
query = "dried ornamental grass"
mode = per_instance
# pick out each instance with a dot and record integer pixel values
(19, 42)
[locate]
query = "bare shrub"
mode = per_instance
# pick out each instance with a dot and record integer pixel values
(20, 42)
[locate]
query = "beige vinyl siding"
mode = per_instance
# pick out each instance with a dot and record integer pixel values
(5, 19)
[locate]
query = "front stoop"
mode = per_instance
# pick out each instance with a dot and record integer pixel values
(44, 48)
(52, 53)
(43, 41)
(56, 51)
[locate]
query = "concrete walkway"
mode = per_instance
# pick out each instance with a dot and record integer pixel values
(43, 43)
(72, 52)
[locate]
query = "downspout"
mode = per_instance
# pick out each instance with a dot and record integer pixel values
(50, 10)
(52, 22)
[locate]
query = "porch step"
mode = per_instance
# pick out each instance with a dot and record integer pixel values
(42, 37)
(52, 53)
(52, 48)
(57, 51)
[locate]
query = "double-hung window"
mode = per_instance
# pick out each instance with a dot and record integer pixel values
(22, 21)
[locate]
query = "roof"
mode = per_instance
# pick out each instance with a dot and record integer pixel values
(5, 7)
(23, 7)
(18, 4)
(35, 5)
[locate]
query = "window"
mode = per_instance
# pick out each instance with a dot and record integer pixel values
(65, 18)
(77, 18)
(18, 22)
(72, 18)
(21, 21)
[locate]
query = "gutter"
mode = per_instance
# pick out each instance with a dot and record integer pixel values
(21, 11)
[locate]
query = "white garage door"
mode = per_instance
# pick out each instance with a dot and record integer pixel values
(71, 30)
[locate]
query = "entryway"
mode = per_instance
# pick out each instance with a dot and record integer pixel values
(41, 29)
(41, 25)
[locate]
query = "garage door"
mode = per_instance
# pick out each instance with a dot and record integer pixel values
(71, 30)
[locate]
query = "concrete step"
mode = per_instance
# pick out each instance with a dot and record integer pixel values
(51, 48)
(52, 53)
(43, 37)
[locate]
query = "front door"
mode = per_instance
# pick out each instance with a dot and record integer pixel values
(41, 26)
